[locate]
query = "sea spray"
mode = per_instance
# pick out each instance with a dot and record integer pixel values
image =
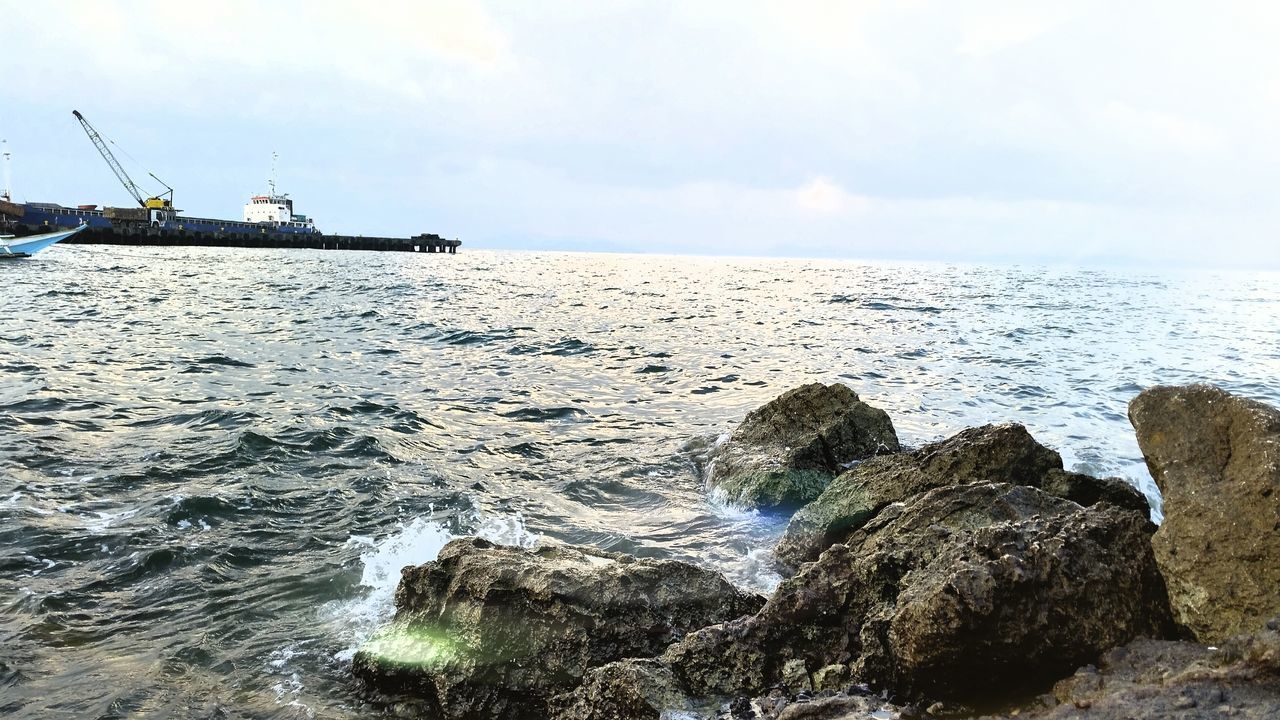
(413, 543)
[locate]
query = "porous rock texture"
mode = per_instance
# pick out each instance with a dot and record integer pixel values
(486, 631)
(1216, 459)
(647, 690)
(1088, 490)
(962, 591)
(992, 453)
(1174, 679)
(642, 689)
(786, 451)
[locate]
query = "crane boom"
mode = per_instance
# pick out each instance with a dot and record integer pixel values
(118, 169)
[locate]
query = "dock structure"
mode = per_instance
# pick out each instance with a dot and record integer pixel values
(142, 235)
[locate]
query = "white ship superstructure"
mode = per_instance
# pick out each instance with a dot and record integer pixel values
(276, 208)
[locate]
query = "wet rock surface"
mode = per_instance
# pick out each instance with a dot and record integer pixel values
(992, 453)
(623, 690)
(495, 632)
(1172, 679)
(647, 690)
(785, 452)
(1088, 490)
(964, 589)
(1216, 460)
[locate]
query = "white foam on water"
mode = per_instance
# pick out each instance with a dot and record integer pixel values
(709, 456)
(723, 507)
(104, 521)
(752, 571)
(289, 689)
(507, 530)
(416, 542)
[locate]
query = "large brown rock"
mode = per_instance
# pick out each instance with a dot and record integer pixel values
(992, 453)
(487, 631)
(785, 452)
(964, 590)
(1175, 680)
(1216, 460)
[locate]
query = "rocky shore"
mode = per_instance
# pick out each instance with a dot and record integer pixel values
(971, 577)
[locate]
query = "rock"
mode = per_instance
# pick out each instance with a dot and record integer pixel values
(623, 690)
(1087, 490)
(1216, 460)
(831, 677)
(1174, 679)
(646, 690)
(844, 707)
(962, 590)
(487, 631)
(785, 452)
(991, 453)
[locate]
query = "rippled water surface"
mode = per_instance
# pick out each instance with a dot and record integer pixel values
(213, 463)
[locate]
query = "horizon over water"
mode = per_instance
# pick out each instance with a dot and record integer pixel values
(214, 462)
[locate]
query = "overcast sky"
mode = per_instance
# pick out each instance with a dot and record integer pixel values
(1140, 132)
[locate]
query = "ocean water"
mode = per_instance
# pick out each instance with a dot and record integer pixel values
(213, 462)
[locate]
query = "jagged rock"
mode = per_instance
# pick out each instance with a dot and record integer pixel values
(785, 452)
(1088, 490)
(623, 690)
(1216, 460)
(847, 707)
(962, 590)
(991, 453)
(646, 690)
(487, 631)
(1176, 680)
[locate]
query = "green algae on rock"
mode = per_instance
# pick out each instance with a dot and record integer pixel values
(488, 631)
(785, 452)
(991, 453)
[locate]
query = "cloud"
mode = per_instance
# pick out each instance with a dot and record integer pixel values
(1160, 131)
(914, 127)
(823, 196)
(1007, 25)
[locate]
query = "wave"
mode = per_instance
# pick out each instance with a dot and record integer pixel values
(532, 414)
(413, 543)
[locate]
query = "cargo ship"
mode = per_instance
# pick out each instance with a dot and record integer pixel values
(268, 220)
(263, 214)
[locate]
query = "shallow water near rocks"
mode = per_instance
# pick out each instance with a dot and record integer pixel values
(213, 463)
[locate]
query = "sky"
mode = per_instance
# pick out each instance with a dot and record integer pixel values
(1136, 133)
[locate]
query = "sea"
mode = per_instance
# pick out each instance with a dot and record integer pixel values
(214, 462)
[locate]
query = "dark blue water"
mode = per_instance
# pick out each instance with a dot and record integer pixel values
(214, 462)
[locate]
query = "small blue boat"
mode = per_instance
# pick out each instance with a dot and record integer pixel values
(13, 247)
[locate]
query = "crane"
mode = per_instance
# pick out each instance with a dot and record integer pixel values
(151, 203)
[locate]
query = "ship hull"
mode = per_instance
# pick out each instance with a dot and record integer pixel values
(55, 216)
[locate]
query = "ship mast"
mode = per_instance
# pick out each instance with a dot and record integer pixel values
(6, 190)
(272, 181)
